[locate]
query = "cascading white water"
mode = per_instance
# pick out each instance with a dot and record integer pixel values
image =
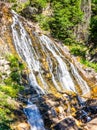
(83, 85)
(25, 49)
(63, 74)
(50, 66)
(61, 77)
(23, 46)
(81, 82)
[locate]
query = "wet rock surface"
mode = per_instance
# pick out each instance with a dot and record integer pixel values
(68, 112)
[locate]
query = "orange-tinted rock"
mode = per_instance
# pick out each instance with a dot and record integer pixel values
(23, 126)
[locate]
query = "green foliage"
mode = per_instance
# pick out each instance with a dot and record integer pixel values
(12, 1)
(66, 14)
(92, 41)
(89, 64)
(78, 49)
(4, 126)
(93, 30)
(36, 3)
(43, 21)
(9, 90)
(13, 84)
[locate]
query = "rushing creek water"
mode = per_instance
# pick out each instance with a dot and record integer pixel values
(34, 117)
(49, 69)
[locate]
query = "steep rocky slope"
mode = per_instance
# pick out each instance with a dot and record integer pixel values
(53, 107)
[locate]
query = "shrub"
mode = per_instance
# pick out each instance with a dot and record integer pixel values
(9, 90)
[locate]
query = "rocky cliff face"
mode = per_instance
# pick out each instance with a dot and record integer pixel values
(81, 31)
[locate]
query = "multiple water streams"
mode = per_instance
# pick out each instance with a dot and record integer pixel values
(49, 69)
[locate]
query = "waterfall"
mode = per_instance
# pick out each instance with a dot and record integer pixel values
(63, 73)
(49, 69)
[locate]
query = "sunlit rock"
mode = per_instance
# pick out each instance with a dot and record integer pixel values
(92, 125)
(23, 126)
